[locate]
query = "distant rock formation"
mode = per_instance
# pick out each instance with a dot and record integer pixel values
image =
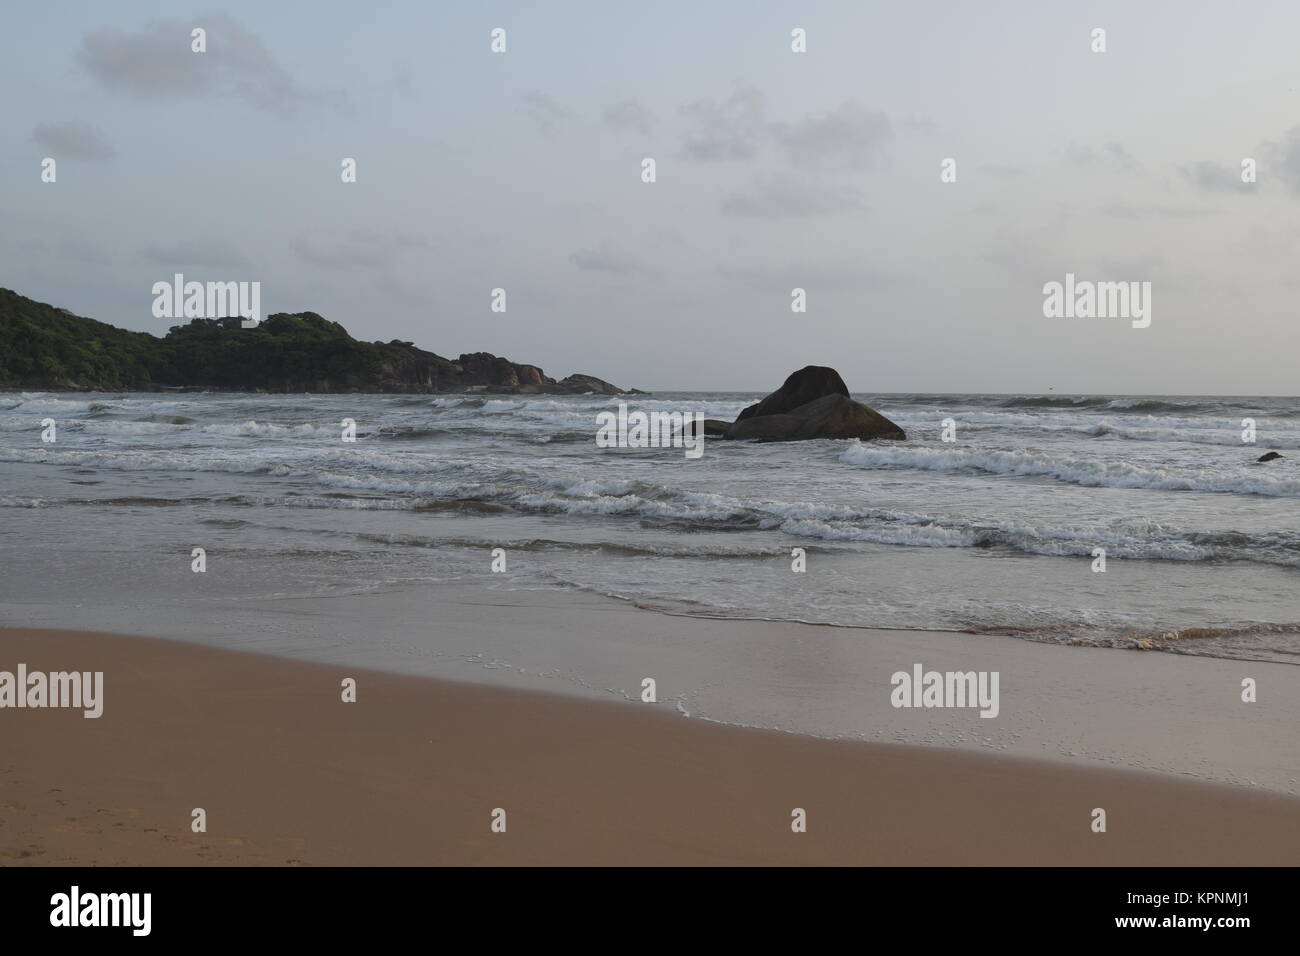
(1268, 457)
(483, 371)
(814, 402)
(582, 384)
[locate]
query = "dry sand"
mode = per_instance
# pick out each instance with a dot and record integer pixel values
(411, 772)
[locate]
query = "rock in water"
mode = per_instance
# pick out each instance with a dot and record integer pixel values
(578, 384)
(809, 383)
(1269, 457)
(826, 411)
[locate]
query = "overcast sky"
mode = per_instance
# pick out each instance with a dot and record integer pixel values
(775, 170)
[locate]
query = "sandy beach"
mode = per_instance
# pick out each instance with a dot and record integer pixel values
(411, 773)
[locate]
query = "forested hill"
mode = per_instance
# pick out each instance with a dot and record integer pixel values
(44, 347)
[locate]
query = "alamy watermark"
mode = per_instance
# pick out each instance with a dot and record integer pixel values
(922, 688)
(1084, 299)
(212, 300)
(37, 689)
(624, 429)
(76, 908)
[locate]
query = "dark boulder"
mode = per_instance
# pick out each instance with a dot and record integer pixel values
(809, 383)
(1269, 457)
(831, 416)
(814, 402)
(713, 428)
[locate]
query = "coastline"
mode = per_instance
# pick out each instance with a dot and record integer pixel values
(410, 773)
(1181, 715)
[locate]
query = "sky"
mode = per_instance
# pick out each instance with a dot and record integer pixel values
(774, 170)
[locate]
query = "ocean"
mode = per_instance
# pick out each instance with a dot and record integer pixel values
(994, 532)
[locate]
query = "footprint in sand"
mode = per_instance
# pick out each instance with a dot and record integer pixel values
(21, 854)
(74, 827)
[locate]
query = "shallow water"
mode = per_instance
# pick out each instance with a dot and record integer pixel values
(993, 532)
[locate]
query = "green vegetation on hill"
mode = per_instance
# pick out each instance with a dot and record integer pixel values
(45, 347)
(41, 346)
(302, 352)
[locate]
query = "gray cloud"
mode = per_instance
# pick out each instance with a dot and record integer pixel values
(89, 252)
(1121, 210)
(849, 136)
(156, 62)
(1112, 156)
(74, 139)
(1030, 254)
(404, 84)
(736, 130)
(920, 126)
(205, 251)
(1143, 268)
(1003, 170)
(608, 260)
(788, 197)
(361, 249)
(545, 111)
(834, 276)
(1216, 177)
(1285, 158)
(629, 115)
(730, 130)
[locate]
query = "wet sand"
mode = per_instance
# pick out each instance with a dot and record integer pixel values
(411, 773)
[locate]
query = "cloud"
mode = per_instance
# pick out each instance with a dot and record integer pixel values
(1112, 155)
(74, 139)
(737, 130)
(1003, 171)
(731, 130)
(920, 126)
(205, 251)
(81, 249)
(1029, 254)
(545, 111)
(849, 136)
(362, 249)
(156, 62)
(607, 260)
(813, 276)
(1216, 177)
(1152, 211)
(1285, 158)
(404, 84)
(1143, 268)
(629, 115)
(788, 197)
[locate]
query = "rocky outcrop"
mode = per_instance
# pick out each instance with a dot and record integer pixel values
(813, 403)
(801, 387)
(582, 384)
(485, 372)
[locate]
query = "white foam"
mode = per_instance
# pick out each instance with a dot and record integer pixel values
(1094, 473)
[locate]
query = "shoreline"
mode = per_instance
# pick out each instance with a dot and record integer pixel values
(1175, 714)
(410, 773)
